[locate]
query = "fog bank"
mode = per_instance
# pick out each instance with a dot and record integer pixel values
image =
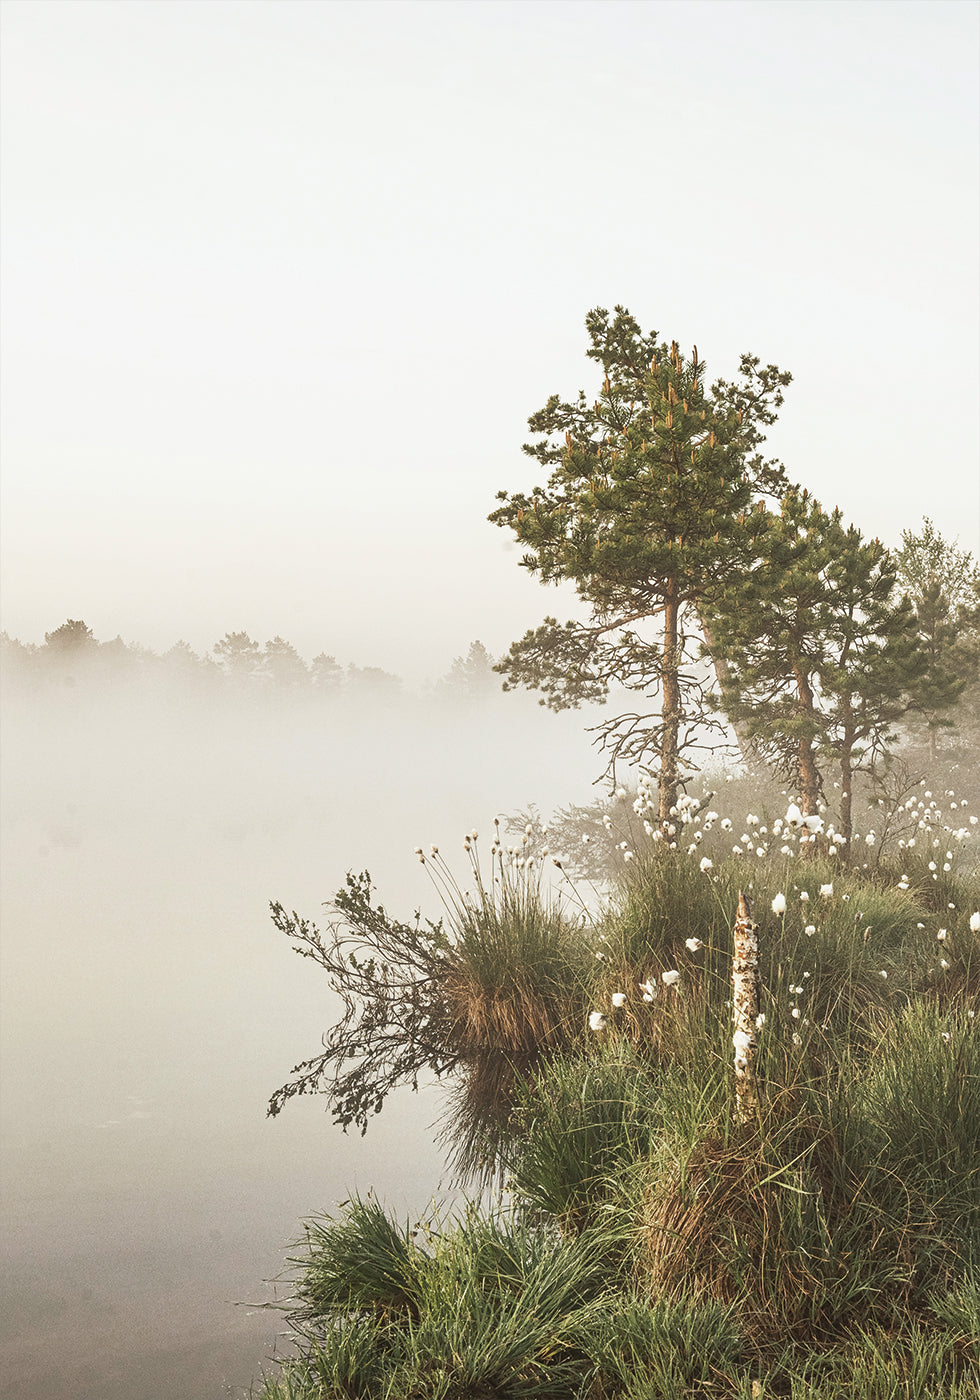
(150, 1008)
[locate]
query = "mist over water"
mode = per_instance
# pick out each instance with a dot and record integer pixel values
(150, 1007)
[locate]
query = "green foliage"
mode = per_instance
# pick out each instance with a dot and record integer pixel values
(916, 1364)
(958, 1308)
(654, 1245)
(926, 559)
(824, 659)
(943, 583)
(488, 1306)
(920, 1095)
(580, 1122)
(658, 1349)
(648, 509)
(498, 982)
(515, 984)
(516, 965)
(361, 1262)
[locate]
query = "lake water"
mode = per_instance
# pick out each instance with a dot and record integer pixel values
(150, 1007)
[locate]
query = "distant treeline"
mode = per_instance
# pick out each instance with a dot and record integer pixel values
(72, 654)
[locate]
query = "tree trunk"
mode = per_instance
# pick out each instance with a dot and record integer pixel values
(745, 1009)
(846, 794)
(723, 672)
(806, 764)
(671, 712)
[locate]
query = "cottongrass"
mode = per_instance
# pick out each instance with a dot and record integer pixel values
(655, 1247)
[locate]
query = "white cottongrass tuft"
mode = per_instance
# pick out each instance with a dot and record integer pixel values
(794, 817)
(826, 891)
(693, 944)
(975, 922)
(810, 930)
(649, 990)
(941, 935)
(670, 979)
(597, 1021)
(779, 904)
(618, 999)
(705, 865)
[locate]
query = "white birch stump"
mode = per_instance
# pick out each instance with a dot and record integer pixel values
(745, 1008)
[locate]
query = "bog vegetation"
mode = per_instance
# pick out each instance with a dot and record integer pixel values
(673, 1197)
(634, 1237)
(791, 722)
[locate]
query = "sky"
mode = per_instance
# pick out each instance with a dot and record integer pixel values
(283, 281)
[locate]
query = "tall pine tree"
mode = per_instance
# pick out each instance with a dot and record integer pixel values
(943, 583)
(823, 652)
(652, 504)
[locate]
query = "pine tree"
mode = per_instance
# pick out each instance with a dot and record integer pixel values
(470, 677)
(71, 638)
(943, 583)
(652, 503)
(284, 666)
(762, 627)
(823, 652)
(238, 654)
(327, 673)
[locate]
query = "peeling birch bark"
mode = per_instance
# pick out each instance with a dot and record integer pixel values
(745, 1008)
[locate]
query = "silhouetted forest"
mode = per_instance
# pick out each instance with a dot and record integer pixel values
(72, 655)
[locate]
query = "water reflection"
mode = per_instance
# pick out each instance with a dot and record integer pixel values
(149, 1008)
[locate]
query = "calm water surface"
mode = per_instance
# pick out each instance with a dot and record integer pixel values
(150, 1008)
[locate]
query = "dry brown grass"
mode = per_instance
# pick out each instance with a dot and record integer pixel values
(774, 1218)
(515, 1016)
(715, 1224)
